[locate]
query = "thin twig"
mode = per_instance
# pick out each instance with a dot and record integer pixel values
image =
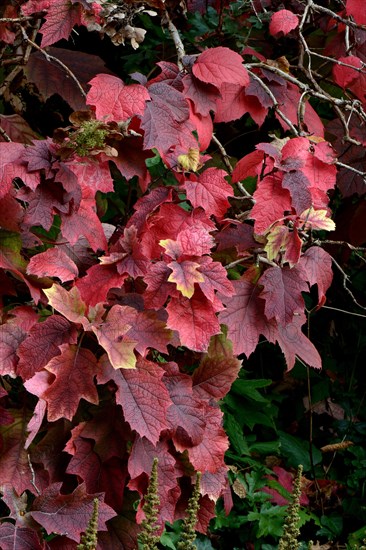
(56, 60)
(225, 156)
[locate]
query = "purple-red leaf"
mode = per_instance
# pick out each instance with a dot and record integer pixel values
(69, 514)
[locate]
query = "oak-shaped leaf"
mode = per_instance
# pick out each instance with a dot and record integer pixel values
(139, 467)
(283, 22)
(192, 241)
(51, 78)
(42, 344)
(235, 101)
(83, 220)
(203, 95)
(185, 274)
(214, 484)
(12, 166)
(220, 65)
(158, 287)
(282, 288)
(208, 455)
(14, 460)
(21, 538)
(194, 319)
(210, 191)
(142, 395)
(99, 279)
(244, 317)
(74, 371)
(217, 370)
(294, 343)
(53, 263)
(10, 338)
(69, 514)
(67, 302)
(115, 100)
(355, 9)
(61, 17)
(112, 336)
(317, 264)
(214, 278)
(146, 328)
(108, 477)
(272, 201)
(186, 415)
(166, 120)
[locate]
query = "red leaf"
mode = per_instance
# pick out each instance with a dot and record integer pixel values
(208, 456)
(115, 100)
(21, 538)
(192, 241)
(293, 342)
(53, 263)
(271, 203)
(344, 76)
(244, 317)
(92, 173)
(42, 344)
(203, 96)
(186, 415)
(220, 65)
(217, 370)
(11, 166)
(142, 394)
(10, 338)
(286, 479)
(158, 288)
(213, 485)
(147, 329)
(185, 274)
(194, 319)
(50, 77)
(233, 104)
(84, 221)
(214, 278)
(166, 120)
(211, 192)
(70, 514)
(356, 10)
(61, 17)
(17, 129)
(283, 21)
(112, 337)
(97, 282)
(67, 302)
(282, 289)
(74, 371)
(250, 165)
(140, 463)
(317, 264)
(238, 235)
(14, 461)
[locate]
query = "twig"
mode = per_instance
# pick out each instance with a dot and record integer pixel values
(344, 284)
(225, 156)
(344, 311)
(5, 135)
(174, 33)
(56, 60)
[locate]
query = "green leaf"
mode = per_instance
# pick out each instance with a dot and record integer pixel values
(297, 451)
(248, 388)
(270, 520)
(235, 433)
